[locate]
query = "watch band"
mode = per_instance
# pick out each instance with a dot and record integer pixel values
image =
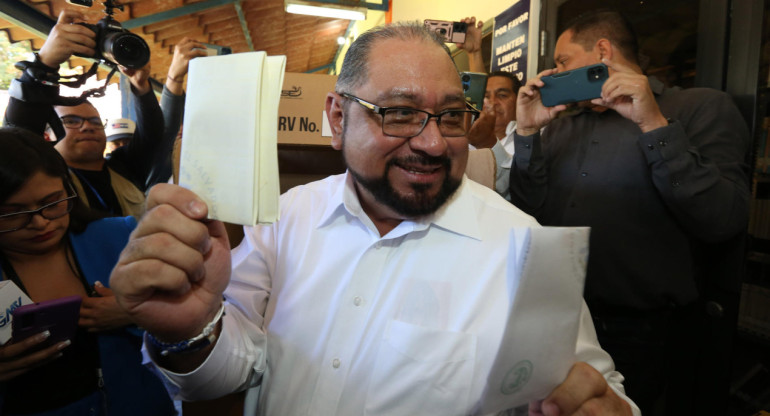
(196, 343)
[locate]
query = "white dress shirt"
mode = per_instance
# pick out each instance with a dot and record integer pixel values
(340, 321)
(503, 151)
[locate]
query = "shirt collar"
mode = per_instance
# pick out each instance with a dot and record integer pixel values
(457, 215)
(510, 128)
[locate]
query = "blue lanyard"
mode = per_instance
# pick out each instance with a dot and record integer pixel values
(93, 190)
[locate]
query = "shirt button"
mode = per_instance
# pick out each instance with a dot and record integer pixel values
(662, 143)
(527, 146)
(675, 184)
(336, 363)
(649, 146)
(357, 301)
(583, 173)
(595, 141)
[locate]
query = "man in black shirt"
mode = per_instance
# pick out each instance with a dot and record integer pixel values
(660, 176)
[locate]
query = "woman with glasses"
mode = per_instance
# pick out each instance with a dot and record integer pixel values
(51, 247)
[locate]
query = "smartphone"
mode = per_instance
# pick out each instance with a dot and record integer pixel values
(60, 316)
(579, 84)
(213, 50)
(474, 87)
(452, 32)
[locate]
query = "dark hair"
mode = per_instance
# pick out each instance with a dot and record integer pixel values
(515, 83)
(23, 154)
(354, 69)
(610, 24)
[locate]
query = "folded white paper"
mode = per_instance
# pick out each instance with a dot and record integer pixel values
(229, 153)
(538, 347)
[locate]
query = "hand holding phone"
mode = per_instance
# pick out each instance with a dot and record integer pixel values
(474, 87)
(452, 32)
(576, 85)
(59, 316)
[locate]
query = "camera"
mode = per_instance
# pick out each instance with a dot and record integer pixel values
(453, 32)
(114, 44)
(597, 73)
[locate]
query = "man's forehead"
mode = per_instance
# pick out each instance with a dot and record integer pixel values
(497, 80)
(83, 110)
(418, 95)
(564, 45)
(413, 70)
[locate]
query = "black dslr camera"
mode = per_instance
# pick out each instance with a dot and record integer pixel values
(114, 44)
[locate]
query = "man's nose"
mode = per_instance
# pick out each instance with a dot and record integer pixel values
(430, 140)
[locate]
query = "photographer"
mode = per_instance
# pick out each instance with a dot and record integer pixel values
(114, 185)
(497, 122)
(659, 174)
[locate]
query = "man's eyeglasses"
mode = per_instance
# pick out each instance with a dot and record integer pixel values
(76, 122)
(18, 220)
(409, 122)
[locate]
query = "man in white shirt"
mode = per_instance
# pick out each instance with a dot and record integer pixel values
(494, 128)
(379, 291)
(500, 98)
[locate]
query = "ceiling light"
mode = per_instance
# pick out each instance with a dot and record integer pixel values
(326, 10)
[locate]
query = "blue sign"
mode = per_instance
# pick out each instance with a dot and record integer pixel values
(510, 39)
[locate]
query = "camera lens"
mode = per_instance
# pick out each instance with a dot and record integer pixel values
(442, 31)
(466, 78)
(126, 49)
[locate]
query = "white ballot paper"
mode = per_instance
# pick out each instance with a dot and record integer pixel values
(538, 347)
(229, 154)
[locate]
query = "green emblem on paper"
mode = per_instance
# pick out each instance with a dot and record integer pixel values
(517, 377)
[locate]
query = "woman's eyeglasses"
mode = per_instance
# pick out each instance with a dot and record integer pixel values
(18, 220)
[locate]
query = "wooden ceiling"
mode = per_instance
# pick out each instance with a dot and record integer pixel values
(309, 43)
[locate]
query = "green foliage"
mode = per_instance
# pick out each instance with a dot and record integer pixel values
(10, 53)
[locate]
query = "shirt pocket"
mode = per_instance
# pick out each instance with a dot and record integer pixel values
(421, 371)
(131, 199)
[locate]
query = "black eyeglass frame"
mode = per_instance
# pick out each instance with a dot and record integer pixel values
(90, 120)
(31, 214)
(381, 111)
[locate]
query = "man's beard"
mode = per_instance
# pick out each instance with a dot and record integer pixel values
(417, 204)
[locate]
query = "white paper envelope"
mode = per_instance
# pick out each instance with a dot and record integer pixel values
(229, 154)
(538, 347)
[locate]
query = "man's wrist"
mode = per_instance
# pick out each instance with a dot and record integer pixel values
(523, 131)
(43, 59)
(176, 79)
(142, 88)
(206, 337)
(657, 123)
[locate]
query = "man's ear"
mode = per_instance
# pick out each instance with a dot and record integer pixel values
(604, 47)
(335, 115)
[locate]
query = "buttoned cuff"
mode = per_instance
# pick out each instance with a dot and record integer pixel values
(664, 143)
(524, 145)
